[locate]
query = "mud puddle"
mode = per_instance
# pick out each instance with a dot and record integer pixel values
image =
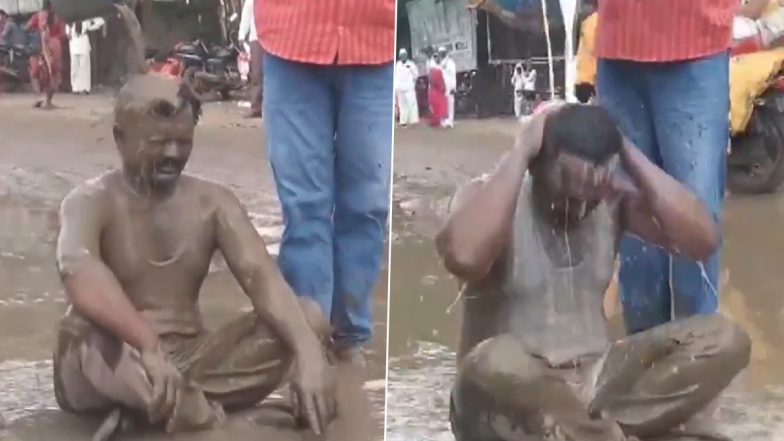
(425, 325)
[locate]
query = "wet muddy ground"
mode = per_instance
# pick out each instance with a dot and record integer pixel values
(45, 154)
(429, 164)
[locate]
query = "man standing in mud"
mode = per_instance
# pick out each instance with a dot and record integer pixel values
(134, 248)
(535, 361)
(328, 110)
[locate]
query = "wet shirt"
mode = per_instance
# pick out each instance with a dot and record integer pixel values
(344, 32)
(663, 30)
(553, 308)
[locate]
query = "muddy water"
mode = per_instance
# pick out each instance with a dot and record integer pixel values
(37, 167)
(424, 329)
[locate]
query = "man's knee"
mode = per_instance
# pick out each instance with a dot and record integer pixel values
(729, 344)
(499, 362)
(734, 343)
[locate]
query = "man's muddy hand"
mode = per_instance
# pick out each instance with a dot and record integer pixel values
(531, 132)
(165, 380)
(313, 391)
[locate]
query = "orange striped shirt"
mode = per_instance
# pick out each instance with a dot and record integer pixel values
(346, 32)
(664, 30)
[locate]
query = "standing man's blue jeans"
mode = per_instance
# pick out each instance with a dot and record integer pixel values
(677, 113)
(329, 140)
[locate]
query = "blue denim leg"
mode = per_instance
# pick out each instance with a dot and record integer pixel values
(690, 103)
(362, 167)
(299, 111)
(644, 270)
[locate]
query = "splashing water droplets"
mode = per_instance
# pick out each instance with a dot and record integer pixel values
(569, 253)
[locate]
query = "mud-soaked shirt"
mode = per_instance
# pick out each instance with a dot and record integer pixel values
(549, 297)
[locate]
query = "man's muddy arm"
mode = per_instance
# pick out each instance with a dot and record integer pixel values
(259, 276)
(91, 286)
(666, 213)
(480, 223)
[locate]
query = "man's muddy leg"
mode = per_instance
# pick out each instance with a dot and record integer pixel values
(502, 393)
(705, 355)
(245, 360)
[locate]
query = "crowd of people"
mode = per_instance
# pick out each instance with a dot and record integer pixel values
(441, 89)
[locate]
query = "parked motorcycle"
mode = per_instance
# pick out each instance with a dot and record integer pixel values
(210, 70)
(756, 160)
(14, 72)
(466, 103)
(755, 163)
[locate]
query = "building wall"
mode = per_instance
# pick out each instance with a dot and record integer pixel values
(168, 23)
(20, 6)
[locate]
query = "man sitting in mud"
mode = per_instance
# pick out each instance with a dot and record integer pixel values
(535, 245)
(134, 248)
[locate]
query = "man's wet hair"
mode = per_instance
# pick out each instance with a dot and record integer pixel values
(3, 13)
(154, 95)
(587, 131)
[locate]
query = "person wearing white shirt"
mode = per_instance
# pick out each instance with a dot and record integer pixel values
(79, 44)
(406, 74)
(518, 85)
(450, 79)
(247, 33)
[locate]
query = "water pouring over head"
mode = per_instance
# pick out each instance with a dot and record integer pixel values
(581, 148)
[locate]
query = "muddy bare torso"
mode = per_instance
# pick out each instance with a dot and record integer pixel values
(160, 250)
(548, 287)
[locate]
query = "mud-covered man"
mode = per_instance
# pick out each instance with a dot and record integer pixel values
(134, 248)
(535, 361)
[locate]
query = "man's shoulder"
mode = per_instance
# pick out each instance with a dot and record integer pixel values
(95, 188)
(209, 192)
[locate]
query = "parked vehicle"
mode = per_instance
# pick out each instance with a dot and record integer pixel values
(14, 71)
(755, 163)
(209, 70)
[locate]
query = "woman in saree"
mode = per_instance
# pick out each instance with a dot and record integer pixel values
(436, 95)
(46, 67)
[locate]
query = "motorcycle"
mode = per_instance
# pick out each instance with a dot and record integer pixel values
(755, 163)
(465, 99)
(14, 71)
(209, 70)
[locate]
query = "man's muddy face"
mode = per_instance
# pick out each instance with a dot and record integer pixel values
(159, 149)
(578, 185)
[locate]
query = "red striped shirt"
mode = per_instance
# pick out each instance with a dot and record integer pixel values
(328, 31)
(663, 30)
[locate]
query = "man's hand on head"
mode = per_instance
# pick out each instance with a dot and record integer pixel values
(531, 132)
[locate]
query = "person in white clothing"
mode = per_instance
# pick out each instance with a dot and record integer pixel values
(406, 74)
(247, 33)
(529, 87)
(518, 86)
(450, 78)
(79, 44)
